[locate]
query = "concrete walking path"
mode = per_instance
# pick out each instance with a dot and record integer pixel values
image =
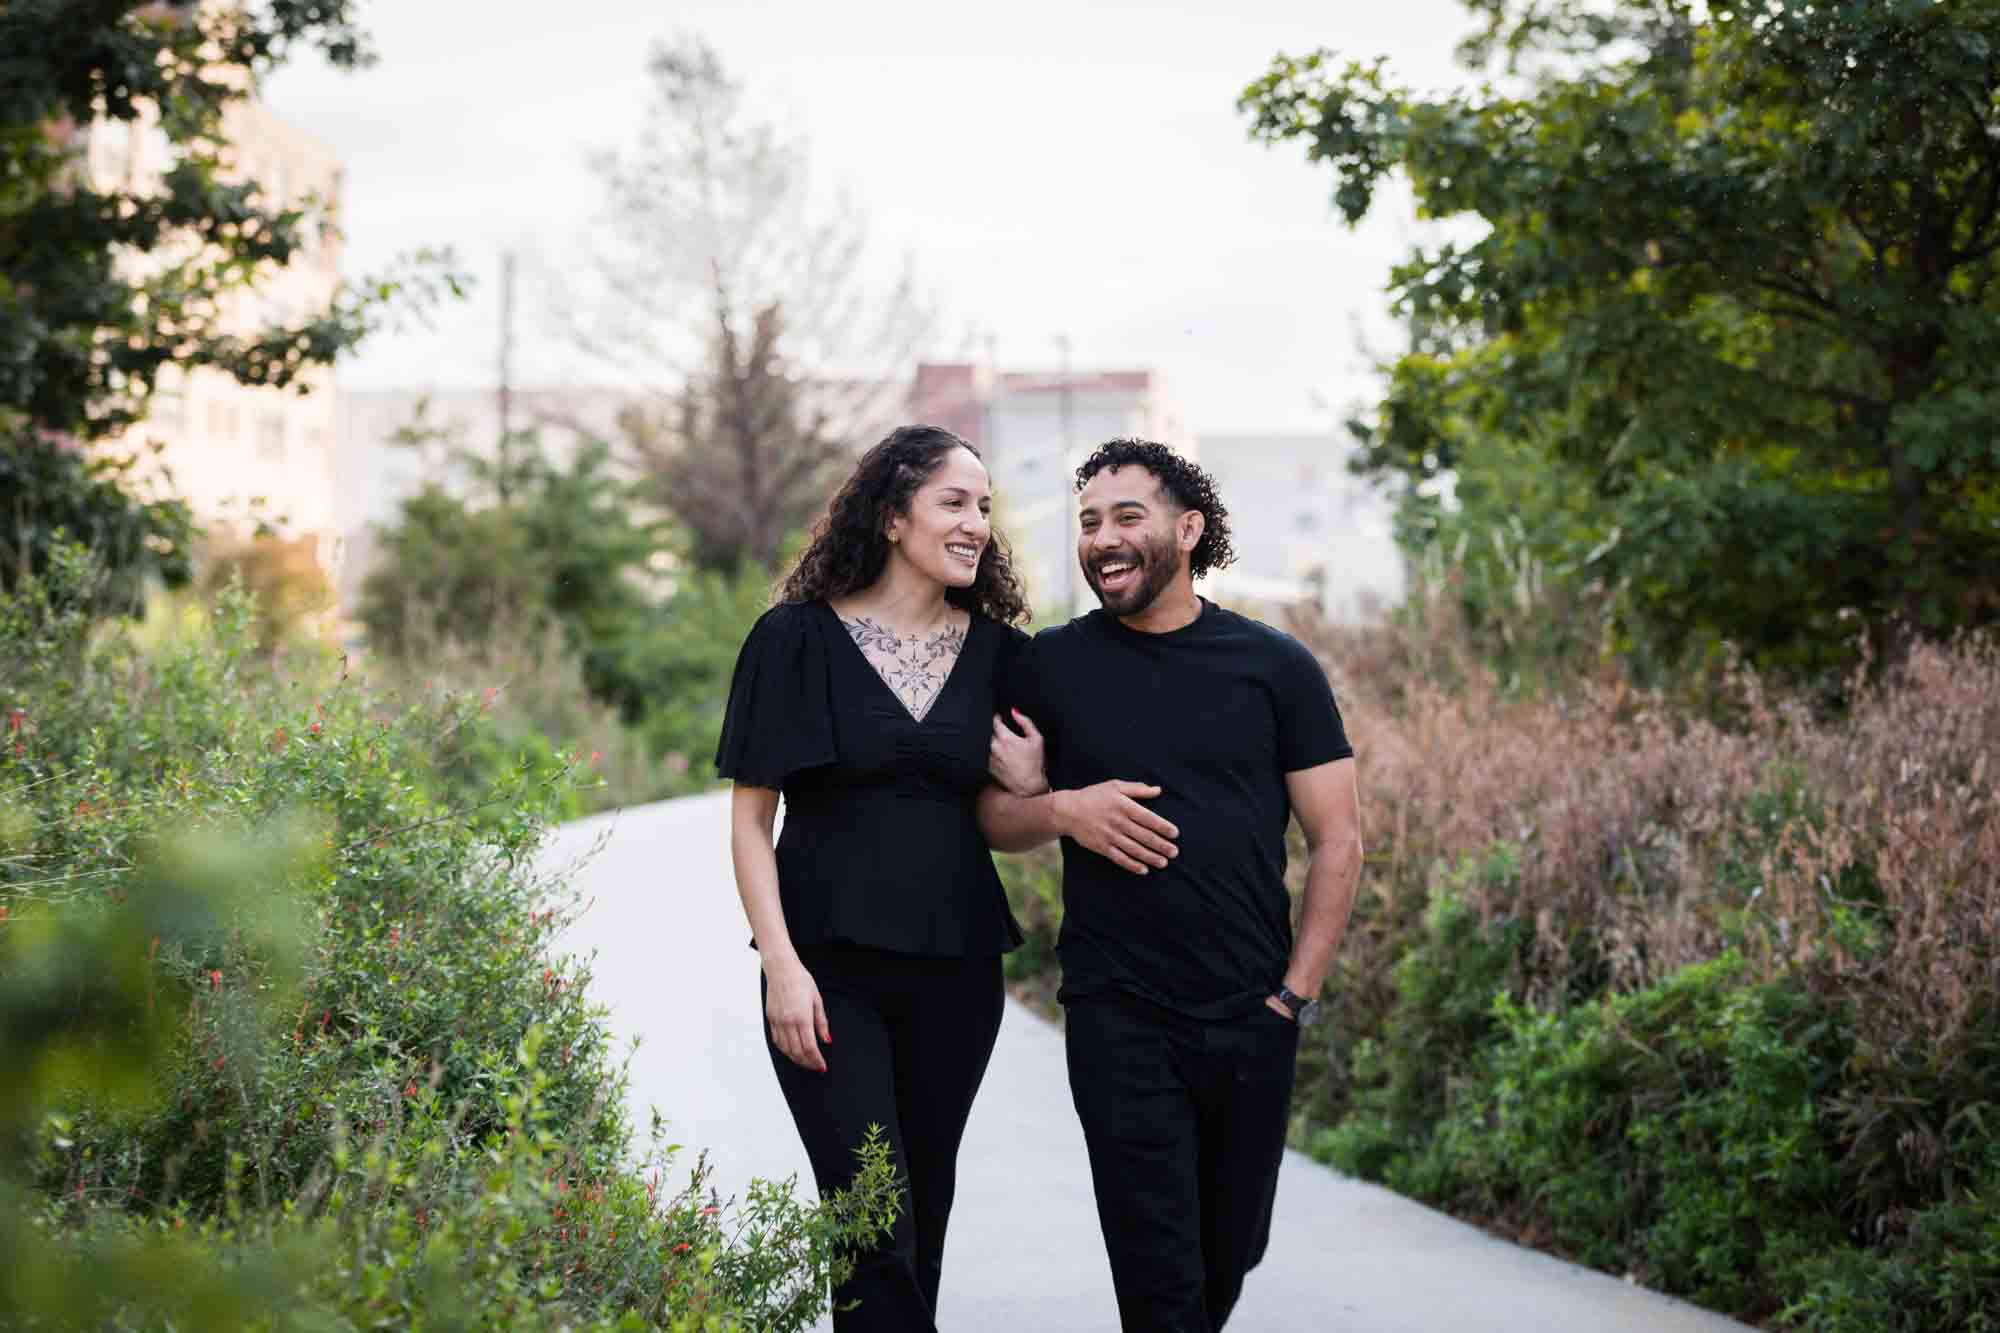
(673, 966)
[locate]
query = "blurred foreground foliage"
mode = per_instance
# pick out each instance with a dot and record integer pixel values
(287, 1040)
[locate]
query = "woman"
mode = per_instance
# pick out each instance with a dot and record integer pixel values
(867, 696)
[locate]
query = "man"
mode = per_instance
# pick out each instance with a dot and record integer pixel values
(1180, 738)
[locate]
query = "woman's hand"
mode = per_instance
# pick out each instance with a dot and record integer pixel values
(796, 1014)
(1017, 762)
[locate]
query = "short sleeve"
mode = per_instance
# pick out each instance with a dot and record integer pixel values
(1310, 731)
(780, 715)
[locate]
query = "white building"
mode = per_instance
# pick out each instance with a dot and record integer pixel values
(1304, 527)
(1034, 428)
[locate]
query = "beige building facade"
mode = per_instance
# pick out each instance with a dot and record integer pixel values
(241, 455)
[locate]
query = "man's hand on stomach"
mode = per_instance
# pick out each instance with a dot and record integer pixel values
(1108, 819)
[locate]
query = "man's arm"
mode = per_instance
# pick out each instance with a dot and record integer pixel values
(1328, 809)
(1107, 818)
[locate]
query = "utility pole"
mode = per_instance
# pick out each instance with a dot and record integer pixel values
(506, 394)
(1065, 578)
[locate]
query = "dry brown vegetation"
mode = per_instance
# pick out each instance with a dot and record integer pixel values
(1859, 848)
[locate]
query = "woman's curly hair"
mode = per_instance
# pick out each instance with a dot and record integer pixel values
(1185, 484)
(849, 550)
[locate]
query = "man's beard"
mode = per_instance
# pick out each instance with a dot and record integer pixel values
(1158, 559)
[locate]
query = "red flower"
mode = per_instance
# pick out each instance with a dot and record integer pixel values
(314, 728)
(410, 1088)
(215, 980)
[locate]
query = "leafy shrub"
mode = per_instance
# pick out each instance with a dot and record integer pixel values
(291, 593)
(59, 494)
(540, 584)
(1679, 1131)
(1404, 1074)
(357, 1043)
(1943, 1273)
(1033, 881)
(687, 656)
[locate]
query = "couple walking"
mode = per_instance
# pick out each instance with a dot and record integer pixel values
(909, 727)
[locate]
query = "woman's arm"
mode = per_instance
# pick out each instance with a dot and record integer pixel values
(792, 1004)
(1018, 762)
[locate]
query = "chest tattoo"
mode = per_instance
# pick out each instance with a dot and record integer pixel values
(916, 668)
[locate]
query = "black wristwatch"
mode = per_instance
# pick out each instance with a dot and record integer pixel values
(1304, 1011)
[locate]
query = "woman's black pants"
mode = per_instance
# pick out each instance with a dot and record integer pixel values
(911, 1038)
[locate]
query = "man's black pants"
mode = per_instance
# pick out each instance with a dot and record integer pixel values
(1185, 1122)
(911, 1038)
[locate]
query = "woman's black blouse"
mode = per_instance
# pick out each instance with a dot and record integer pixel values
(880, 845)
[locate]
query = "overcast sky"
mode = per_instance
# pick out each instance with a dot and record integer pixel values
(1053, 167)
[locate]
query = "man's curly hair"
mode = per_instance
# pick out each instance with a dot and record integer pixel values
(1183, 483)
(849, 551)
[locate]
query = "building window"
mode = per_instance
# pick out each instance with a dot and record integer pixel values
(271, 436)
(168, 410)
(111, 155)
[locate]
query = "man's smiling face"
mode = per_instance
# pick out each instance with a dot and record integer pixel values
(1129, 546)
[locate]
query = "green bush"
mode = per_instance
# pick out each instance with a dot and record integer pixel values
(1033, 881)
(280, 1004)
(1679, 1132)
(687, 657)
(1944, 1273)
(1402, 1076)
(541, 584)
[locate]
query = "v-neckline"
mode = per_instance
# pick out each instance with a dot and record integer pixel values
(949, 676)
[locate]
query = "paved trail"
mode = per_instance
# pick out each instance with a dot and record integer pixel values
(1025, 1252)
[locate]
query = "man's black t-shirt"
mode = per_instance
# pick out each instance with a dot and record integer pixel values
(1215, 714)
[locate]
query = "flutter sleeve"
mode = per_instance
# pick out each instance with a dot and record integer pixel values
(780, 715)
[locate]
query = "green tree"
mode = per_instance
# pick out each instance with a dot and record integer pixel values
(103, 283)
(1736, 304)
(51, 492)
(522, 544)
